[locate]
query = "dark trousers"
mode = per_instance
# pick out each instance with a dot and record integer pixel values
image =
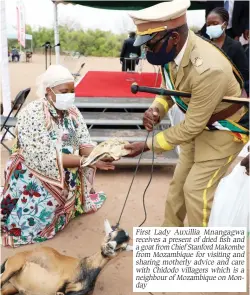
(128, 65)
(15, 56)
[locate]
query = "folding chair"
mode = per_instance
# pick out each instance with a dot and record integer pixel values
(9, 122)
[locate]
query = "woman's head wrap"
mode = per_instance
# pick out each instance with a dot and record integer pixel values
(54, 75)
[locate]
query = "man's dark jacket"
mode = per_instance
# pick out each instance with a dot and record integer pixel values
(128, 48)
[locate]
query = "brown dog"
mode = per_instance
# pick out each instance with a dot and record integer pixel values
(45, 271)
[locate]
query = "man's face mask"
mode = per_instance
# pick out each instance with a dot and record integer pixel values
(64, 101)
(161, 57)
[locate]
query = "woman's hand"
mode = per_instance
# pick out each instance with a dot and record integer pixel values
(104, 165)
(136, 148)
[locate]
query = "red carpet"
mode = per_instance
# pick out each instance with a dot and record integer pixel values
(115, 84)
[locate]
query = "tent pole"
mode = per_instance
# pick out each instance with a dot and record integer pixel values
(56, 30)
(5, 78)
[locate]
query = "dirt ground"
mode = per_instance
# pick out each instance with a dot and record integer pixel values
(83, 236)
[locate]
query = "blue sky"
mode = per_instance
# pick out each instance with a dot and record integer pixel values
(41, 13)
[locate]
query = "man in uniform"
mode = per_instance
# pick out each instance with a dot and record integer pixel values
(213, 131)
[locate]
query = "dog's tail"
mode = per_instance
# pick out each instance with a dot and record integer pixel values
(3, 266)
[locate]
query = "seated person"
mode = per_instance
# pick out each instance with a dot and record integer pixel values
(217, 21)
(45, 185)
(15, 54)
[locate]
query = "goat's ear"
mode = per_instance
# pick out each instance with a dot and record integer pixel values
(107, 227)
(129, 248)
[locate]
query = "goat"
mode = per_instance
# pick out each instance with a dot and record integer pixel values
(44, 271)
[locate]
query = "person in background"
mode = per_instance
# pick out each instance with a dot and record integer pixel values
(130, 54)
(45, 183)
(15, 54)
(246, 49)
(216, 24)
(238, 17)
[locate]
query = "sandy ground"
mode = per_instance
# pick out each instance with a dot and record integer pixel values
(83, 235)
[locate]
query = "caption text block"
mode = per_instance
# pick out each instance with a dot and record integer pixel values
(189, 259)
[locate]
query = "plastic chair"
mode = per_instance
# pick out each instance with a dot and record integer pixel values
(9, 122)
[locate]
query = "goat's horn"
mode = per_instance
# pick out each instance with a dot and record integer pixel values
(129, 248)
(107, 227)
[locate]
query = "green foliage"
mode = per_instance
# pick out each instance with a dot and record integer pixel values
(74, 39)
(13, 43)
(88, 43)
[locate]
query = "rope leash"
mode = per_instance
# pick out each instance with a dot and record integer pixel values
(149, 182)
(150, 179)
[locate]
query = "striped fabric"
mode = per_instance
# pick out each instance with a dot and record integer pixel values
(240, 129)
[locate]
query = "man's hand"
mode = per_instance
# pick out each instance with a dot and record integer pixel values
(246, 35)
(136, 148)
(237, 38)
(151, 117)
(245, 161)
(108, 159)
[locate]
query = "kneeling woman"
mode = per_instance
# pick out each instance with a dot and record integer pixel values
(45, 186)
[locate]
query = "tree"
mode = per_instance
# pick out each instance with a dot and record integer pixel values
(73, 38)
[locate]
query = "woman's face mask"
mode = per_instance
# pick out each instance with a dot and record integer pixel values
(215, 31)
(64, 101)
